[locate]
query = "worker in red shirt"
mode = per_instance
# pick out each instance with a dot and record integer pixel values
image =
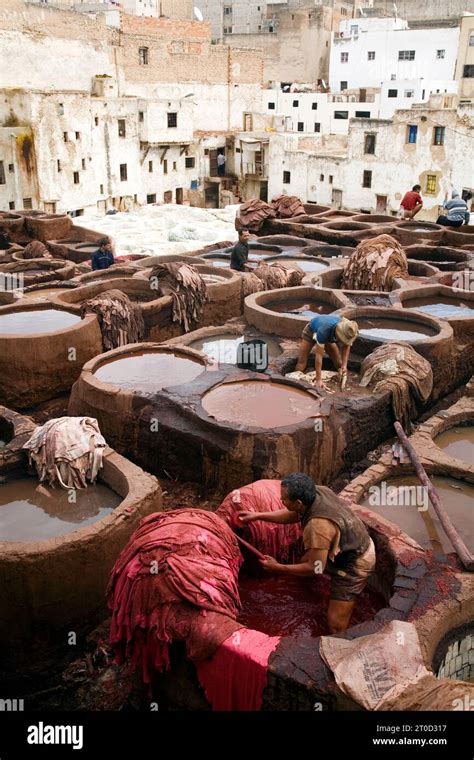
(411, 204)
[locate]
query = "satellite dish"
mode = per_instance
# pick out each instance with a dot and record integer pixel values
(198, 14)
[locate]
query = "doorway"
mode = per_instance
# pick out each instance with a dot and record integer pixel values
(179, 196)
(381, 204)
(168, 197)
(336, 198)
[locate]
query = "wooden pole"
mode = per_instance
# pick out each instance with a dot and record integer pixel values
(462, 551)
(249, 547)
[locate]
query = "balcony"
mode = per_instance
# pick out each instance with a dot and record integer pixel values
(255, 169)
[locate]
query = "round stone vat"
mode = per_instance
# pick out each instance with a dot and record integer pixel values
(446, 440)
(220, 345)
(350, 225)
(454, 656)
(138, 291)
(35, 271)
(309, 264)
(457, 441)
(443, 258)
(11, 222)
(327, 250)
(282, 311)
(316, 208)
(375, 218)
(75, 249)
(151, 261)
(403, 501)
(442, 302)
(377, 325)
(42, 350)
(48, 226)
(113, 387)
(56, 555)
(284, 241)
(337, 213)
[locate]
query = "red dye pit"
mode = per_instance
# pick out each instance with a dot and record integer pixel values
(284, 606)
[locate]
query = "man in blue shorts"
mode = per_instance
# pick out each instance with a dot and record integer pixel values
(323, 334)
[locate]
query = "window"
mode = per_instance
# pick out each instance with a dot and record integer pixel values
(227, 11)
(440, 53)
(362, 114)
(83, 163)
(330, 179)
(412, 132)
(314, 106)
(343, 86)
(343, 12)
(354, 29)
(123, 172)
(271, 106)
(11, 205)
(121, 128)
(301, 126)
(76, 178)
(341, 114)
(393, 77)
(393, 93)
(101, 189)
(438, 135)
(65, 136)
(406, 55)
(471, 40)
(227, 30)
(143, 56)
(190, 162)
(165, 166)
(409, 93)
(431, 184)
(140, 116)
(58, 165)
(317, 126)
(286, 178)
(151, 198)
(172, 119)
(27, 203)
(96, 121)
(371, 55)
(175, 166)
(296, 103)
(77, 135)
(150, 166)
(344, 57)
(321, 177)
(2, 174)
(367, 179)
(369, 144)
(468, 72)
(11, 168)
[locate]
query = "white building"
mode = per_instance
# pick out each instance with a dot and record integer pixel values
(385, 53)
(430, 145)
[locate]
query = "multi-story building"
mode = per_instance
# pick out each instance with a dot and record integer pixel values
(465, 61)
(407, 64)
(430, 145)
(128, 126)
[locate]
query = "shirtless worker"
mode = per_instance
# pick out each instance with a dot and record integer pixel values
(321, 335)
(334, 539)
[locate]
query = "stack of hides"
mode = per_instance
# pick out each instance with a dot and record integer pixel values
(252, 214)
(67, 451)
(120, 320)
(176, 580)
(375, 264)
(281, 541)
(275, 276)
(397, 367)
(287, 206)
(186, 287)
(36, 250)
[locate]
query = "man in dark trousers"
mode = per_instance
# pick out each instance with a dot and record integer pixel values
(335, 539)
(103, 258)
(240, 252)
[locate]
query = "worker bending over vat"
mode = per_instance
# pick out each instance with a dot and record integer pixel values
(322, 335)
(335, 539)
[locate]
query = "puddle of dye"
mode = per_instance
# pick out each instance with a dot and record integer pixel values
(149, 372)
(300, 307)
(220, 262)
(259, 404)
(284, 606)
(42, 295)
(32, 512)
(44, 321)
(391, 329)
(442, 307)
(456, 496)
(223, 348)
(458, 442)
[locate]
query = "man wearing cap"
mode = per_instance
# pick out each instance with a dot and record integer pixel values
(322, 334)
